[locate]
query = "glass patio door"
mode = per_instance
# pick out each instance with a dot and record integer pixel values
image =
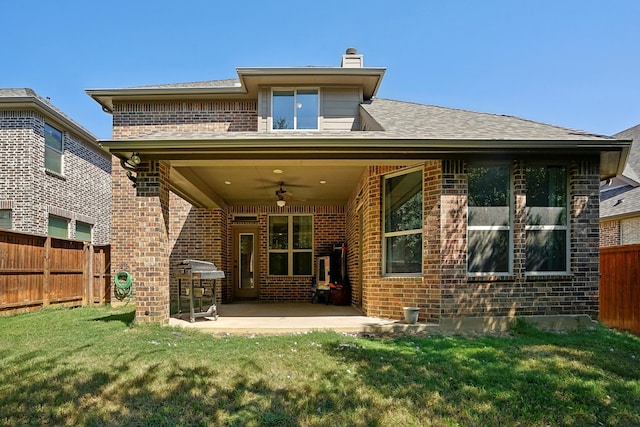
(245, 263)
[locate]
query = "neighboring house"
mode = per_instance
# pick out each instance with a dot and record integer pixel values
(620, 199)
(462, 214)
(55, 179)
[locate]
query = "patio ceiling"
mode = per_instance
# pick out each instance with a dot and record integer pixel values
(212, 183)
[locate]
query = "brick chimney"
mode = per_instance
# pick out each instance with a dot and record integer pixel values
(351, 59)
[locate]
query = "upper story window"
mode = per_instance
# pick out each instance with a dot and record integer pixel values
(547, 220)
(53, 148)
(489, 220)
(402, 223)
(295, 109)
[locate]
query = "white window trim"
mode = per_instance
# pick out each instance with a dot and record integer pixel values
(61, 151)
(509, 271)
(295, 116)
(403, 232)
(291, 250)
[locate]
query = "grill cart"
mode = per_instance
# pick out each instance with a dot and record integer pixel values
(194, 272)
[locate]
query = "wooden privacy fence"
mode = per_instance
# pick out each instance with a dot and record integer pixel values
(620, 287)
(38, 271)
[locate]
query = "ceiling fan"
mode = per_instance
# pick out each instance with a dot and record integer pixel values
(281, 194)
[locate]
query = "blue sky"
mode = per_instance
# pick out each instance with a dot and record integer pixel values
(572, 63)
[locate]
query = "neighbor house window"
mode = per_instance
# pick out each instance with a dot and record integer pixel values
(53, 148)
(402, 211)
(58, 227)
(83, 231)
(547, 220)
(5, 218)
(489, 220)
(291, 245)
(295, 109)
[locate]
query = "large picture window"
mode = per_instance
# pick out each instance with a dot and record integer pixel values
(53, 148)
(402, 209)
(489, 220)
(291, 245)
(295, 109)
(547, 216)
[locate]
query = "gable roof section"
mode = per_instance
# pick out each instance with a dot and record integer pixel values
(250, 79)
(26, 98)
(624, 201)
(632, 168)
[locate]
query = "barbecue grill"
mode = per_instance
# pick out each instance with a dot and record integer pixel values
(194, 272)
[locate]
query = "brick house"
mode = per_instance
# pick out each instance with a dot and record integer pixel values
(620, 199)
(462, 214)
(55, 179)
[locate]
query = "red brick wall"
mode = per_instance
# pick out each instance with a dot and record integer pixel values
(328, 230)
(385, 296)
(521, 294)
(194, 116)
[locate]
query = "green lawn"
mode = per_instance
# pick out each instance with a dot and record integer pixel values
(89, 367)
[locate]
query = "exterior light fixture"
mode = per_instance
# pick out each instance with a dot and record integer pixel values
(281, 203)
(135, 159)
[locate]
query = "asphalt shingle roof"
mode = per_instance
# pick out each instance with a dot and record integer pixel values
(17, 94)
(432, 122)
(625, 200)
(194, 85)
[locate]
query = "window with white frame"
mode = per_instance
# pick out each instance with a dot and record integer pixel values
(547, 220)
(489, 220)
(5, 218)
(290, 245)
(53, 148)
(295, 109)
(402, 223)
(58, 227)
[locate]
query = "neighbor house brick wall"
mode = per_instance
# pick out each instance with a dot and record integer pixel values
(630, 231)
(82, 192)
(520, 293)
(610, 233)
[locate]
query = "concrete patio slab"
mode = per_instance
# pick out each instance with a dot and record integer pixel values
(282, 318)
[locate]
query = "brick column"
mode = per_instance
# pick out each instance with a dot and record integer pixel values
(140, 237)
(152, 241)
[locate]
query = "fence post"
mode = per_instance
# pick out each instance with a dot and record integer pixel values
(47, 271)
(90, 272)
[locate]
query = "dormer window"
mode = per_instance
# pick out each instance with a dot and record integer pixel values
(295, 109)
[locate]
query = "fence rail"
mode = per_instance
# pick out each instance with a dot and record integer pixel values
(620, 287)
(38, 271)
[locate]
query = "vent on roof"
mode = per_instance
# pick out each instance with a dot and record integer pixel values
(351, 59)
(245, 218)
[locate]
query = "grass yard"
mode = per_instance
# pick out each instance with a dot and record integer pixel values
(89, 367)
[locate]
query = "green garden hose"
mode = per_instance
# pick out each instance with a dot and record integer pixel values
(124, 289)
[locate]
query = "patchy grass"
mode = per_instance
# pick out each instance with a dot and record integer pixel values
(89, 367)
